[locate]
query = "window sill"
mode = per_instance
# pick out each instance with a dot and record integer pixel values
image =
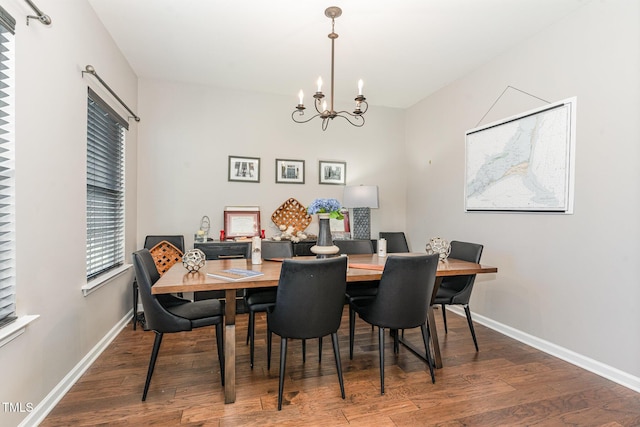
(100, 281)
(14, 329)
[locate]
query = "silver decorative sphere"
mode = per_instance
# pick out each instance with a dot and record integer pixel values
(193, 260)
(438, 245)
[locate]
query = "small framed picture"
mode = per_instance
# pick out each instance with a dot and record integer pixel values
(241, 222)
(289, 171)
(244, 169)
(332, 172)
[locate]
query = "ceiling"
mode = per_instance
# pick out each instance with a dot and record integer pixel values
(403, 50)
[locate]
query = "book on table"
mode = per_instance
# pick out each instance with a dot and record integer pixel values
(235, 274)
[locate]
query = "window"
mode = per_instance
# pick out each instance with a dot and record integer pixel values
(105, 187)
(7, 170)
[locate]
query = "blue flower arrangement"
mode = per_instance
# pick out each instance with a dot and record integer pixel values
(330, 206)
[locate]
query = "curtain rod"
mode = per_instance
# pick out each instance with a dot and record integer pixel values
(90, 70)
(45, 19)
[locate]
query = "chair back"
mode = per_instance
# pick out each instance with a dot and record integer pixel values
(176, 240)
(274, 249)
(396, 241)
(165, 251)
(157, 318)
(404, 293)
(355, 246)
(310, 298)
(463, 285)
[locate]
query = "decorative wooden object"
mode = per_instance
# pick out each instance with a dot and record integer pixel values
(292, 213)
(164, 255)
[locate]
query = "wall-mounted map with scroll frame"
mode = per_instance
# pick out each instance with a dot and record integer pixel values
(524, 163)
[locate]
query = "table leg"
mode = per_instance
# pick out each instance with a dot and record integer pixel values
(230, 347)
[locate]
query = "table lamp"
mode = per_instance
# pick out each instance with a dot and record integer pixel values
(361, 198)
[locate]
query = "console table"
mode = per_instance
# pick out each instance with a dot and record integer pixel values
(223, 250)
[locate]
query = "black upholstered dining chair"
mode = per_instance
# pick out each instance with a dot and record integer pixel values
(396, 241)
(176, 240)
(178, 317)
(354, 247)
(309, 303)
(402, 302)
(150, 242)
(260, 299)
(457, 290)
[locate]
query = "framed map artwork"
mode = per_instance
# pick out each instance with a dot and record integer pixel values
(524, 163)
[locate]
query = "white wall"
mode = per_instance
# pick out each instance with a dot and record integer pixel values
(51, 116)
(557, 273)
(570, 280)
(188, 132)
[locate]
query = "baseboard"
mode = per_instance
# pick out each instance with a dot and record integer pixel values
(47, 404)
(620, 377)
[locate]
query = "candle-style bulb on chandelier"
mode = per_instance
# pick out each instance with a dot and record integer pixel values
(324, 111)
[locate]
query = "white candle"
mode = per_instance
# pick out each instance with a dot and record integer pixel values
(382, 247)
(301, 96)
(256, 253)
(319, 84)
(360, 84)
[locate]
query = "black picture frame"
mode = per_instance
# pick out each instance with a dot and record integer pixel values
(244, 169)
(289, 171)
(332, 172)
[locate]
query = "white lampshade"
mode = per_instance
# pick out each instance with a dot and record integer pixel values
(360, 196)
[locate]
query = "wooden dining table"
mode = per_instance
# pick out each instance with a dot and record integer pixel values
(362, 268)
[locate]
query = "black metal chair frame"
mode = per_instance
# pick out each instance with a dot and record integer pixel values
(465, 251)
(176, 318)
(149, 242)
(309, 303)
(261, 299)
(402, 302)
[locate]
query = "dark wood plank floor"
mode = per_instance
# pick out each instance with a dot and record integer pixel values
(506, 384)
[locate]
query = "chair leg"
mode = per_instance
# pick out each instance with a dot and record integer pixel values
(473, 331)
(268, 349)
(336, 353)
(396, 341)
(320, 350)
(444, 317)
(135, 303)
(304, 351)
(426, 338)
(352, 327)
(381, 351)
(250, 335)
(283, 361)
(220, 345)
(251, 320)
(152, 363)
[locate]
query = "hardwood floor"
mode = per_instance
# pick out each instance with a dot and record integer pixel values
(505, 384)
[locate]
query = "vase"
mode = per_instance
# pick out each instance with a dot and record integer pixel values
(324, 247)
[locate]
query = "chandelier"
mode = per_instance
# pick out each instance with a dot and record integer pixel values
(325, 112)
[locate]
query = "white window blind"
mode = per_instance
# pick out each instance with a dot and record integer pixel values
(105, 187)
(7, 169)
